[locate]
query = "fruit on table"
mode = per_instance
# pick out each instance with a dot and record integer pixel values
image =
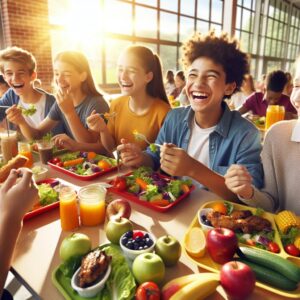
(270, 277)
(115, 228)
(73, 245)
(199, 288)
(119, 183)
(237, 279)
(147, 291)
(136, 240)
(271, 261)
(119, 208)
(148, 267)
(220, 207)
(195, 242)
(169, 249)
(221, 244)
(104, 165)
(273, 247)
(173, 286)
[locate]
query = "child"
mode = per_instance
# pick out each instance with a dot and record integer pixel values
(258, 102)
(170, 82)
(144, 103)
(202, 140)
(3, 86)
(281, 160)
(76, 98)
(19, 70)
(179, 84)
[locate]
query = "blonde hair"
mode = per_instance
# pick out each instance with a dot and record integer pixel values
(18, 55)
(80, 63)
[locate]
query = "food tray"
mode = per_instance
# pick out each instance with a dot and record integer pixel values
(207, 263)
(82, 177)
(135, 199)
(45, 208)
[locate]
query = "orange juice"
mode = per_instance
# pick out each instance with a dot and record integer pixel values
(281, 113)
(68, 209)
(92, 205)
(24, 149)
(272, 115)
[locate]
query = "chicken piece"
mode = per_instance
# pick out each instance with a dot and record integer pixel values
(241, 214)
(93, 266)
(258, 223)
(219, 220)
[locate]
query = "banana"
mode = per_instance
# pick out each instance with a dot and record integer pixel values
(198, 289)
(170, 288)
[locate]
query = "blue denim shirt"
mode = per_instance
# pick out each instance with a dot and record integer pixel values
(234, 141)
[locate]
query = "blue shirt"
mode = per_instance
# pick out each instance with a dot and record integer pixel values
(234, 141)
(10, 98)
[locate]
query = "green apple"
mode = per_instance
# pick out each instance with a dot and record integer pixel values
(169, 249)
(115, 228)
(148, 267)
(74, 245)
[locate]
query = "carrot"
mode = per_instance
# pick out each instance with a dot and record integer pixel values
(160, 202)
(185, 188)
(91, 155)
(142, 184)
(73, 162)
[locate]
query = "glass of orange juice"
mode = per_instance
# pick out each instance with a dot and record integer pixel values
(68, 208)
(24, 149)
(92, 205)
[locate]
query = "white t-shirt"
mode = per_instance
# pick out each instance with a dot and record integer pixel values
(199, 143)
(36, 119)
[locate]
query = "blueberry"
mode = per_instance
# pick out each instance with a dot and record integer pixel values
(207, 222)
(124, 240)
(129, 246)
(138, 239)
(203, 218)
(135, 246)
(141, 248)
(146, 235)
(129, 234)
(146, 247)
(149, 243)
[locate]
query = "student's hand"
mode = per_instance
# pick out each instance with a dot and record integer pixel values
(14, 115)
(175, 161)
(18, 195)
(64, 100)
(239, 181)
(64, 141)
(131, 154)
(95, 122)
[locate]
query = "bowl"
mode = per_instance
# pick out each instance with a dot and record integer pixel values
(201, 216)
(131, 254)
(92, 290)
(39, 173)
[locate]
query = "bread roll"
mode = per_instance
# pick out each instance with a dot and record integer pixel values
(15, 163)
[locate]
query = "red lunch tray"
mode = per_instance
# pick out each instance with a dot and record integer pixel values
(45, 208)
(82, 177)
(135, 199)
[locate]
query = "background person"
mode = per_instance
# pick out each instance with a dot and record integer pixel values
(4, 87)
(169, 83)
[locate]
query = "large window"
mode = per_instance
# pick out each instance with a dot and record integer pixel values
(102, 28)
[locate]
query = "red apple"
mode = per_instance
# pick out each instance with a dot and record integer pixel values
(221, 244)
(119, 208)
(237, 279)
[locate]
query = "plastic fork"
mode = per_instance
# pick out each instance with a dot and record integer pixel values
(140, 136)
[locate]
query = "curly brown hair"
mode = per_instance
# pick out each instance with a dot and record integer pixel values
(222, 49)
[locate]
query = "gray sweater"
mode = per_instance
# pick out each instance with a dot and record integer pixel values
(281, 164)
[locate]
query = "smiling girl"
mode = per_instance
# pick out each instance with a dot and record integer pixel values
(143, 105)
(76, 98)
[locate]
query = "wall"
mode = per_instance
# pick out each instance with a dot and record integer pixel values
(26, 25)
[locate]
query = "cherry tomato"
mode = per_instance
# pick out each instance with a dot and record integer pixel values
(120, 183)
(292, 250)
(273, 247)
(59, 164)
(103, 164)
(55, 160)
(148, 291)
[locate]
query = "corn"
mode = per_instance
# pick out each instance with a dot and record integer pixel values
(285, 220)
(297, 242)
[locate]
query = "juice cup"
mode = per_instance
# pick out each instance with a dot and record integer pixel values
(281, 113)
(45, 150)
(92, 205)
(272, 115)
(9, 145)
(68, 208)
(24, 149)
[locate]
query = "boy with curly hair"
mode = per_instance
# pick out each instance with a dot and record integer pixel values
(203, 139)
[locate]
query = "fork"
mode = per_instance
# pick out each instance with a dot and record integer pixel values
(140, 136)
(116, 154)
(108, 115)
